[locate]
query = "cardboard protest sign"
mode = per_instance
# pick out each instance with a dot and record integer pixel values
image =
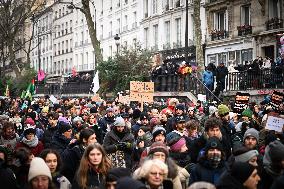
(53, 99)
(276, 99)
(241, 102)
(141, 91)
(274, 123)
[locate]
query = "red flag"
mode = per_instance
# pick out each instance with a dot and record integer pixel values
(74, 72)
(40, 75)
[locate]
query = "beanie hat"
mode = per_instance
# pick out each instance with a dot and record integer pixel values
(180, 119)
(213, 143)
(154, 121)
(223, 110)
(38, 167)
(63, 119)
(127, 182)
(245, 157)
(276, 151)
(175, 147)
(116, 173)
(248, 113)
(242, 171)
(29, 130)
(30, 121)
(180, 107)
(158, 130)
(93, 110)
(202, 185)
(144, 115)
(119, 121)
(212, 110)
(45, 109)
(251, 132)
(109, 109)
(158, 147)
(63, 127)
(77, 118)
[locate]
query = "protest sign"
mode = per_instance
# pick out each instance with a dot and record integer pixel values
(274, 123)
(241, 102)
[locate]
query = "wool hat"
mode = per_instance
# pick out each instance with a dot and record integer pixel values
(175, 147)
(154, 121)
(63, 127)
(212, 110)
(93, 110)
(180, 107)
(144, 115)
(201, 185)
(180, 119)
(29, 130)
(248, 113)
(276, 151)
(63, 119)
(213, 143)
(158, 147)
(242, 171)
(128, 182)
(245, 157)
(45, 109)
(109, 109)
(77, 118)
(251, 132)
(119, 121)
(158, 130)
(223, 110)
(30, 121)
(116, 173)
(38, 167)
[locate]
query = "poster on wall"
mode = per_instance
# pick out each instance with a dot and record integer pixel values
(241, 102)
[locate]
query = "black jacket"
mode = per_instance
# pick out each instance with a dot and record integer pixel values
(7, 177)
(227, 181)
(59, 142)
(94, 179)
(47, 136)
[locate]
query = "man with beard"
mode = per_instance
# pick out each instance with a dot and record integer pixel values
(106, 121)
(50, 129)
(143, 121)
(179, 111)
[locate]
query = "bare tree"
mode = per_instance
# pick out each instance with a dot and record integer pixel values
(14, 26)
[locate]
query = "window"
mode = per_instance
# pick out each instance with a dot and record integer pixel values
(166, 4)
(168, 32)
(274, 8)
(118, 26)
(220, 21)
(222, 58)
(146, 37)
(146, 9)
(155, 7)
(246, 55)
(110, 50)
(245, 15)
(155, 35)
(178, 31)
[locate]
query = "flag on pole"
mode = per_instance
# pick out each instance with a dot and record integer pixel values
(40, 75)
(30, 90)
(7, 91)
(74, 72)
(95, 83)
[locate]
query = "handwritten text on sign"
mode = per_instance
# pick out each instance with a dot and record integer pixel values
(274, 123)
(141, 91)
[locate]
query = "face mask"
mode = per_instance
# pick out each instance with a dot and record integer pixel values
(214, 159)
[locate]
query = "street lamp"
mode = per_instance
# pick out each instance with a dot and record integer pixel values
(116, 38)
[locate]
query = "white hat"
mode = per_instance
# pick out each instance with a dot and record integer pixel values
(119, 121)
(38, 167)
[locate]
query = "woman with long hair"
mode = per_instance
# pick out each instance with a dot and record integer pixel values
(53, 161)
(93, 168)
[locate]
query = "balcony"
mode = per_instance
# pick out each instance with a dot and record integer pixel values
(218, 34)
(274, 23)
(244, 30)
(176, 45)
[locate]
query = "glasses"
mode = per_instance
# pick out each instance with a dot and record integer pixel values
(156, 174)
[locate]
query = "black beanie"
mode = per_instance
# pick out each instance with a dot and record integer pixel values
(128, 182)
(242, 171)
(276, 151)
(117, 173)
(63, 127)
(213, 143)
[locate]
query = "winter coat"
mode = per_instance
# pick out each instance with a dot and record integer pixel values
(94, 179)
(71, 158)
(207, 78)
(59, 142)
(221, 72)
(9, 143)
(35, 149)
(227, 181)
(278, 183)
(117, 156)
(7, 178)
(204, 172)
(105, 123)
(47, 136)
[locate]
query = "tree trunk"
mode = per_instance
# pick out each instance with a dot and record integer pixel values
(92, 32)
(12, 58)
(198, 35)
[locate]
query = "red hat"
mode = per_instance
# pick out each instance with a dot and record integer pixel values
(30, 121)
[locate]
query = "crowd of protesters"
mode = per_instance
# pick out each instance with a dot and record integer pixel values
(79, 143)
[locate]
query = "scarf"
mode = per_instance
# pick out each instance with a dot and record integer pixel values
(30, 143)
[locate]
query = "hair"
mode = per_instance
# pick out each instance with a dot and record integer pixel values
(7, 124)
(192, 124)
(82, 172)
(44, 154)
(212, 123)
(145, 169)
(22, 154)
(54, 115)
(85, 134)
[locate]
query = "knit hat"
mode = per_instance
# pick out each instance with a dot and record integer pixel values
(175, 147)
(154, 121)
(144, 115)
(109, 109)
(30, 121)
(119, 121)
(93, 110)
(38, 167)
(63, 119)
(116, 173)
(212, 110)
(276, 151)
(245, 157)
(180, 107)
(77, 118)
(158, 130)
(251, 132)
(213, 143)
(180, 119)
(242, 171)
(128, 182)
(158, 147)
(201, 185)
(248, 113)
(29, 130)
(45, 109)
(63, 127)
(223, 110)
